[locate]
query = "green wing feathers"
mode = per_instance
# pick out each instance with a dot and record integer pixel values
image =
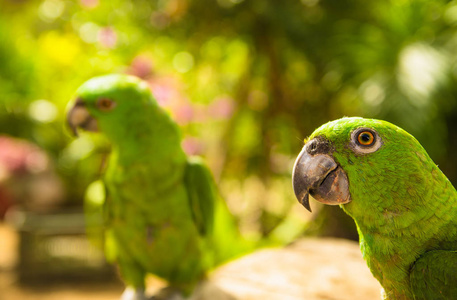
(211, 214)
(201, 193)
(434, 276)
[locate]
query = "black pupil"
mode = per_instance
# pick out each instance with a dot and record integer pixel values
(366, 137)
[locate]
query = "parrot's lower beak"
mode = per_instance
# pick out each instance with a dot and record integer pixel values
(79, 117)
(317, 174)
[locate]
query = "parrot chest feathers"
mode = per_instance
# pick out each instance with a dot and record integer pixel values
(391, 252)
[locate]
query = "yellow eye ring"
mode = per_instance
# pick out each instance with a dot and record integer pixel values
(365, 138)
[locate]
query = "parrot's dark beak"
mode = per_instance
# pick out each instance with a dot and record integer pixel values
(317, 174)
(79, 117)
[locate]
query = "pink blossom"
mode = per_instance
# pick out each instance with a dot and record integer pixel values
(17, 156)
(141, 66)
(183, 113)
(221, 108)
(192, 146)
(89, 3)
(163, 93)
(166, 91)
(107, 37)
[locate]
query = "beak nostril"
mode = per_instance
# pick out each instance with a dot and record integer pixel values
(318, 146)
(312, 147)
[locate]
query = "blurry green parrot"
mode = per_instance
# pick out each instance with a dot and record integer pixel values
(404, 206)
(162, 214)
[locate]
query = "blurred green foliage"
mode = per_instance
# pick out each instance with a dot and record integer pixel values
(247, 80)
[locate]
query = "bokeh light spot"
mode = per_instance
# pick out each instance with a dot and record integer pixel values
(96, 192)
(43, 111)
(372, 92)
(421, 69)
(50, 10)
(183, 62)
(89, 32)
(79, 148)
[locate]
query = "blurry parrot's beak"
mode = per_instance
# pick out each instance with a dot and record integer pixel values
(79, 117)
(317, 174)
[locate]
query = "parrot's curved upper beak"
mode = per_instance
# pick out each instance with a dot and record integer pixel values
(316, 172)
(79, 117)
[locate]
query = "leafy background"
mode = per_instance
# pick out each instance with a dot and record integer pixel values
(247, 80)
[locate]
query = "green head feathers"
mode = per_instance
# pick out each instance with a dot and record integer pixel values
(385, 172)
(120, 106)
(125, 90)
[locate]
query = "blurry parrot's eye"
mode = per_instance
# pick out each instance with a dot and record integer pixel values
(365, 138)
(105, 104)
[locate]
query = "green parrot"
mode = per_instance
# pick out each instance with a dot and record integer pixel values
(162, 214)
(404, 206)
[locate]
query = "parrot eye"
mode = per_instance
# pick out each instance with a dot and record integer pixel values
(105, 104)
(365, 140)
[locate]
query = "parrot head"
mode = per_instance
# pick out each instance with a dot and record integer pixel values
(107, 103)
(361, 164)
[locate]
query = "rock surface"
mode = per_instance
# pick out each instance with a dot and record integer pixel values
(312, 269)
